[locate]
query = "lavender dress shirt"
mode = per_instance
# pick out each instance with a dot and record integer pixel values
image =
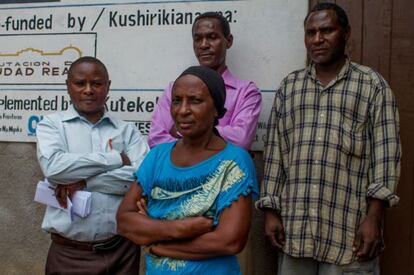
(238, 126)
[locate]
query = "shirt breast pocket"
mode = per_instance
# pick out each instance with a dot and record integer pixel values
(116, 144)
(352, 133)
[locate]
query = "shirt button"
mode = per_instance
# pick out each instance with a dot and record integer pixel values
(322, 115)
(316, 162)
(319, 138)
(314, 186)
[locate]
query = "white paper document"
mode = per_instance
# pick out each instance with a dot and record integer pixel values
(80, 204)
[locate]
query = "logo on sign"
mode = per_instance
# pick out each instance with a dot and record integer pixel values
(32, 123)
(37, 59)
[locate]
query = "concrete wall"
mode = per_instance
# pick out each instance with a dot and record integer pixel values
(24, 246)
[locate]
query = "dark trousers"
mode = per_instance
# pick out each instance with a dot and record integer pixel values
(124, 260)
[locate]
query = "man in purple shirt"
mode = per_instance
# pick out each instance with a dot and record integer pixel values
(211, 39)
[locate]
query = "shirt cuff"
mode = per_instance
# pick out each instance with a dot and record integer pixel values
(269, 202)
(378, 191)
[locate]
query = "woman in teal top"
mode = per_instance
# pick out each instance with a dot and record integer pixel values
(191, 206)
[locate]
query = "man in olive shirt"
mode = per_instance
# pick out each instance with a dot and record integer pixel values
(332, 157)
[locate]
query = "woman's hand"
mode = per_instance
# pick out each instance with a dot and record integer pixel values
(142, 207)
(193, 227)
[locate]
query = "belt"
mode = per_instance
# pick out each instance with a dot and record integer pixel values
(98, 246)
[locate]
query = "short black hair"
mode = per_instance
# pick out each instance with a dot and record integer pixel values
(225, 26)
(340, 13)
(87, 59)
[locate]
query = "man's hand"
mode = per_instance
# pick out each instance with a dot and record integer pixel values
(62, 192)
(367, 244)
(274, 229)
(174, 132)
(125, 159)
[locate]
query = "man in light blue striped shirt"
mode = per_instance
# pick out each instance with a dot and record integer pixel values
(86, 148)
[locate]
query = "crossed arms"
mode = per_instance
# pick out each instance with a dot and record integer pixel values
(106, 172)
(191, 238)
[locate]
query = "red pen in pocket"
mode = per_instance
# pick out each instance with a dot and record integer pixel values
(110, 143)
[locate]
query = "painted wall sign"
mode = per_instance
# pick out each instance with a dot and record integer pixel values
(145, 45)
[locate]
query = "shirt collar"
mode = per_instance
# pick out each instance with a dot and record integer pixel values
(311, 71)
(229, 79)
(71, 114)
